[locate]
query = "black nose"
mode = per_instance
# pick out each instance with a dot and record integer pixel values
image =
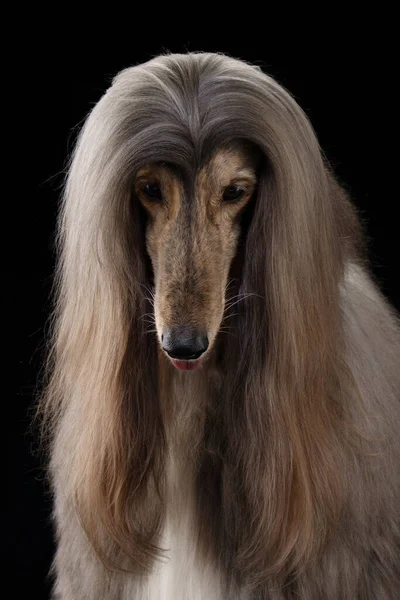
(185, 345)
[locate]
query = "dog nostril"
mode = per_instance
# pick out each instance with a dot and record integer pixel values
(184, 345)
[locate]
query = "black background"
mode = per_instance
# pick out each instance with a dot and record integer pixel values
(344, 82)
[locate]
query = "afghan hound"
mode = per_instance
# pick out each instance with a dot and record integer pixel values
(222, 400)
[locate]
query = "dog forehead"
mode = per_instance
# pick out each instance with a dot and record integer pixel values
(226, 164)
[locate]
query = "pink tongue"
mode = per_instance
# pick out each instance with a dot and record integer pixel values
(186, 365)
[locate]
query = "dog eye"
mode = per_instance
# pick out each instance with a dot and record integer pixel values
(232, 193)
(152, 191)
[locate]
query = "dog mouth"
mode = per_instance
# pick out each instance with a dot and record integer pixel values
(187, 365)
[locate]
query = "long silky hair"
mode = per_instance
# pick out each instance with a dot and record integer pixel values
(272, 474)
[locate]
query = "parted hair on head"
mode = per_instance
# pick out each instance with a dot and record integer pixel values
(221, 355)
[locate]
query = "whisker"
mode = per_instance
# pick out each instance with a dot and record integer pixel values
(148, 323)
(230, 282)
(149, 291)
(226, 327)
(236, 299)
(150, 331)
(151, 300)
(224, 330)
(229, 316)
(149, 315)
(246, 294)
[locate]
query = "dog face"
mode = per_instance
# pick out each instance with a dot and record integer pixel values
(192, 232)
